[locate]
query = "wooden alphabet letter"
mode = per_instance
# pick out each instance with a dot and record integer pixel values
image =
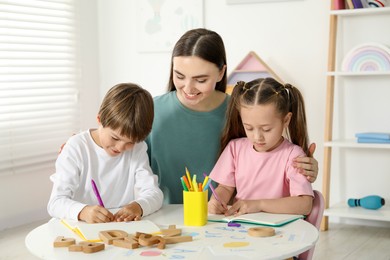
(108, 236)
(129, 242)
(60, 241)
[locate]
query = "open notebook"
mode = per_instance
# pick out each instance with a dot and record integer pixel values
(260, 218)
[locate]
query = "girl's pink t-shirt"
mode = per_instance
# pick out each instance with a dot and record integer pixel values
(261, 175)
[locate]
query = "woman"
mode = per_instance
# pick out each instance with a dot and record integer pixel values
(189, 118)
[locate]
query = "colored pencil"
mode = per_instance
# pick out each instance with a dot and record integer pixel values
(189, 178)
(194, 184)
(182, 183)
(206, 178)
(213, 191)
(187, 183)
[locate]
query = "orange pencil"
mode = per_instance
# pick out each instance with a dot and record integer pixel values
(189, 179)
(200, 186)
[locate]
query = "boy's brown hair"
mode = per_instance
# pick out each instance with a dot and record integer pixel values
(128, 108)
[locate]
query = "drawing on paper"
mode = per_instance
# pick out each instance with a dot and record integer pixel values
(236, 244)
(163, 22)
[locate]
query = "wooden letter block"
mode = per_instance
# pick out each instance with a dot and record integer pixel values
(144, 239)
(108, 236)
(138, 234)
(75, 248)
(129, 242)
(60, 241)
(89, 248)
(86, 247)
(171, 231)
(149, 240)
(179, 239)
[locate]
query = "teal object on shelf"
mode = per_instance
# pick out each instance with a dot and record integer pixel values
(368, 202)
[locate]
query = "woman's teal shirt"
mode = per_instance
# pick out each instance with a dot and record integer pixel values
(182, 138)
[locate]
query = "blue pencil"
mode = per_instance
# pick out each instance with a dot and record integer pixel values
(207, 184)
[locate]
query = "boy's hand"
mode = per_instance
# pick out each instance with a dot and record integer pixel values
(130, 212)
(95, 214)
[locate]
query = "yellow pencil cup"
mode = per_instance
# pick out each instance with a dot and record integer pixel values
(195, 208)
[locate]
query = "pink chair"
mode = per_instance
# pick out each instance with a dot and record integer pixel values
(314, 218)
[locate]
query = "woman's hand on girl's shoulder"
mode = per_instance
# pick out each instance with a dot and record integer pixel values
(308, 166)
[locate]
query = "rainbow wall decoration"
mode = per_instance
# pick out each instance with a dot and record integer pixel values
(376, 3)
(367, 57)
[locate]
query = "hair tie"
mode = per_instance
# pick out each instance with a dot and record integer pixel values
(243, 85)
(286, 87)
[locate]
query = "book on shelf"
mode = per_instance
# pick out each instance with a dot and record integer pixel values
(348, 4)
(373, 135)
(372, 141)
(338, 4)
(357, 4)
(259, 218)
(365, 4)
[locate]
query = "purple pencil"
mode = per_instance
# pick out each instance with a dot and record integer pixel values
(96, 191)
(213, 190)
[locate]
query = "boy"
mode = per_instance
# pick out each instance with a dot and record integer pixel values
(115, 157)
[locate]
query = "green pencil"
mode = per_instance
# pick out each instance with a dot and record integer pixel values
(183, 184)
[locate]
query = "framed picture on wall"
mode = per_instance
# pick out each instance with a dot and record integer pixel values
(161, 23)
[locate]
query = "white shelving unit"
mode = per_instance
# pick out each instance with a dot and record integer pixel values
(340, 210)
(344, 90)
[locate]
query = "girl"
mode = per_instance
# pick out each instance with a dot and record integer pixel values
(257, 161)
(189, 118)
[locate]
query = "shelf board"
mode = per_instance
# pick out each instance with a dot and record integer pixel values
(362, 73)
(344, 211)
(352, 143)
(360, 11)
